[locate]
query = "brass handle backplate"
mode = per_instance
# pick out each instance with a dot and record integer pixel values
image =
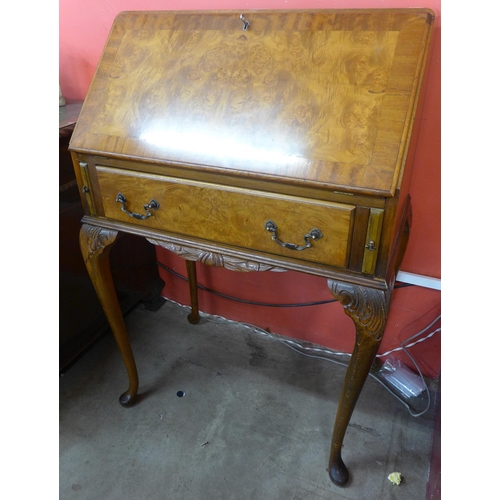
(152, 205)
(314, 234)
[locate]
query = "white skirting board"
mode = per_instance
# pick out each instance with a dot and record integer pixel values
(419, 280)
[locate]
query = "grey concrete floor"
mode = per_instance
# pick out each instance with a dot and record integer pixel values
(255, 421)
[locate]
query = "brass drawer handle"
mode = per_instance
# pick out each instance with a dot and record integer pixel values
(152, 205)
(314, 234)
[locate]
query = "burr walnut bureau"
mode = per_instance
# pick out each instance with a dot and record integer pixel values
(262, 140)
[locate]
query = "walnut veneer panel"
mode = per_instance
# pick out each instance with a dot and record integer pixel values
(230, 215)
(312, 98)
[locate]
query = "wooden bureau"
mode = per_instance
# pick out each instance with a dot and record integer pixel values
(258, 141)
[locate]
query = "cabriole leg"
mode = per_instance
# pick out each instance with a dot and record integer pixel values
(95, 243)
(368, 308)
(194, 317)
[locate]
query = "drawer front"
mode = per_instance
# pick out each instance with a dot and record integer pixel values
(231, 216)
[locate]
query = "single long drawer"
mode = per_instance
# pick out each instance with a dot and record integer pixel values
(229, 215)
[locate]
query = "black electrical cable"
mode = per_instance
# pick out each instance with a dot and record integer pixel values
(253, 303)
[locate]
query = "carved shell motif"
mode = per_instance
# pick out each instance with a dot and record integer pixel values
(94, 239)
(367, 307)
(215, 259)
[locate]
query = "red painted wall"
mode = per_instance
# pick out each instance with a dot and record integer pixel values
(84, 26)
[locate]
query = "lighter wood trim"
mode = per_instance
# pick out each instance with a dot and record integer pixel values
(372, 235)
(87, 186)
